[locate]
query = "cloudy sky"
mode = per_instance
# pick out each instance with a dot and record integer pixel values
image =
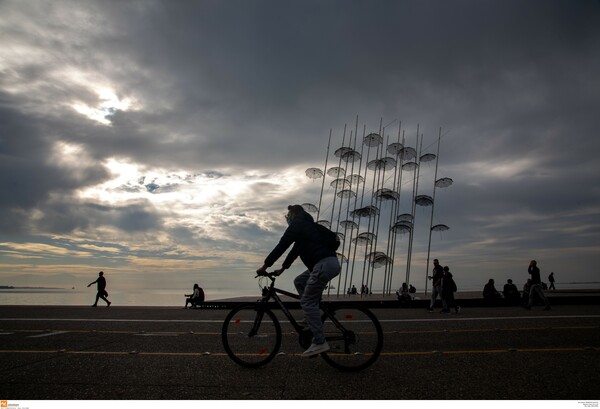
(160, 141)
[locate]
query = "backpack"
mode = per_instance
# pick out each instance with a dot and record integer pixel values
(453, 286)
(328, 238)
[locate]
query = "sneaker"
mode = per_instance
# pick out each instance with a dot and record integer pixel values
(527, 307)
(316, 349)
(302, 322)
(547, 308)
(458, 309)
(109, 303)
(429, 309)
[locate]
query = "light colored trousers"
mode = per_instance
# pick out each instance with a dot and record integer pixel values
(434, 294)
(537, 288)
(310, 286)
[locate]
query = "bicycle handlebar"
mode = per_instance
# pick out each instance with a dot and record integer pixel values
(266, 274)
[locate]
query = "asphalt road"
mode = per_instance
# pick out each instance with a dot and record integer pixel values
(169, 353)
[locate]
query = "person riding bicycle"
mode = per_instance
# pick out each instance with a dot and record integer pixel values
(321, 261)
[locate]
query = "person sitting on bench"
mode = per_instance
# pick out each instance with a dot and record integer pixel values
(196, 298)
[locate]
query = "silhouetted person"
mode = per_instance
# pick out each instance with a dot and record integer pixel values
(436, 280)
(318, 255)
(491, 296)
(197, 297)
(403, 296)
(511, 293)
(536, 286)
(448, 288)
(101, 283)
(412, 289)
(551, 279)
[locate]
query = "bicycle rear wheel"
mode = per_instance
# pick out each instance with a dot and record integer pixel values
(354, 336)
(251, 335)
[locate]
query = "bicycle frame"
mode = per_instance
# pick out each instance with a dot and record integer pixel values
(272, 293)
(353, 332)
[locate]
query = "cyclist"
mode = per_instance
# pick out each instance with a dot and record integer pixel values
(321, 261)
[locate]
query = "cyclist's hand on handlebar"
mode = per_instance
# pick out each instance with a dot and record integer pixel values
(262, 271)
(279, 272)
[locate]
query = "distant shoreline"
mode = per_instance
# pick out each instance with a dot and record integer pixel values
(10, 287)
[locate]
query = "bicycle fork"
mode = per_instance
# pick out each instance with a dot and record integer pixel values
(257, 321)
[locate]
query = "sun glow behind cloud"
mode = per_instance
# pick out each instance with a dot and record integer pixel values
(109, 103)
(199, 200)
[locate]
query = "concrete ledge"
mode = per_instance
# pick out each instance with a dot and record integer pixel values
(584, 297)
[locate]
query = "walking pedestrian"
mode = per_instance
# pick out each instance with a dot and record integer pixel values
(436, 279)
(101, 293)
(551, 279)
(447, 292)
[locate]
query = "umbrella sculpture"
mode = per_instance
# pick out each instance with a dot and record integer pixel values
(347, 182)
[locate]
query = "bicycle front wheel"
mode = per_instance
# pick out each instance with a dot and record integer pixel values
(354, 336)
(251, 335)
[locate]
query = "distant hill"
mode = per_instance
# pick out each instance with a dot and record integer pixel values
(10, 287)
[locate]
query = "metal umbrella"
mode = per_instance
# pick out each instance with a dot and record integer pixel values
(386, 163)
(364, 238)
(424, 200)
(336, 172)
(366, 211)
(348, 154)
(395, 148)
(342, 151)
(309, 207)
(373, 139)
(402, 227)
(443, 182)
(378, 259)
(349, 224)
(386, 194)
(409, 153)
(346, 194)
(355, 179)
(440, 227)
(428, 157)
(405, 217)
(410, 166)
(314, 173)
(340, 183)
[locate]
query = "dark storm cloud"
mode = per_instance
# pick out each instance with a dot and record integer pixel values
(28, 175)
(242, 76)
(234, 85)
(70, 215)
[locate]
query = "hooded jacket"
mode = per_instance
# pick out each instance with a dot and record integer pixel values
(303, 233)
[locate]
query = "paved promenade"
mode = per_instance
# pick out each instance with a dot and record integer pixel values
(170, 353)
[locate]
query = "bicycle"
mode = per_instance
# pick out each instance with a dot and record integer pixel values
(252, 334)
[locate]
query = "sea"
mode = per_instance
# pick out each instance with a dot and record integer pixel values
(87, 296)
(163, 297)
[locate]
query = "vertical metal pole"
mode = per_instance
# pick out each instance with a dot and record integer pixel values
(437, 157)
(324, 173)
(413, 206)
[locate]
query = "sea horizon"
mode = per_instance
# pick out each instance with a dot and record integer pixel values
(168, 297)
